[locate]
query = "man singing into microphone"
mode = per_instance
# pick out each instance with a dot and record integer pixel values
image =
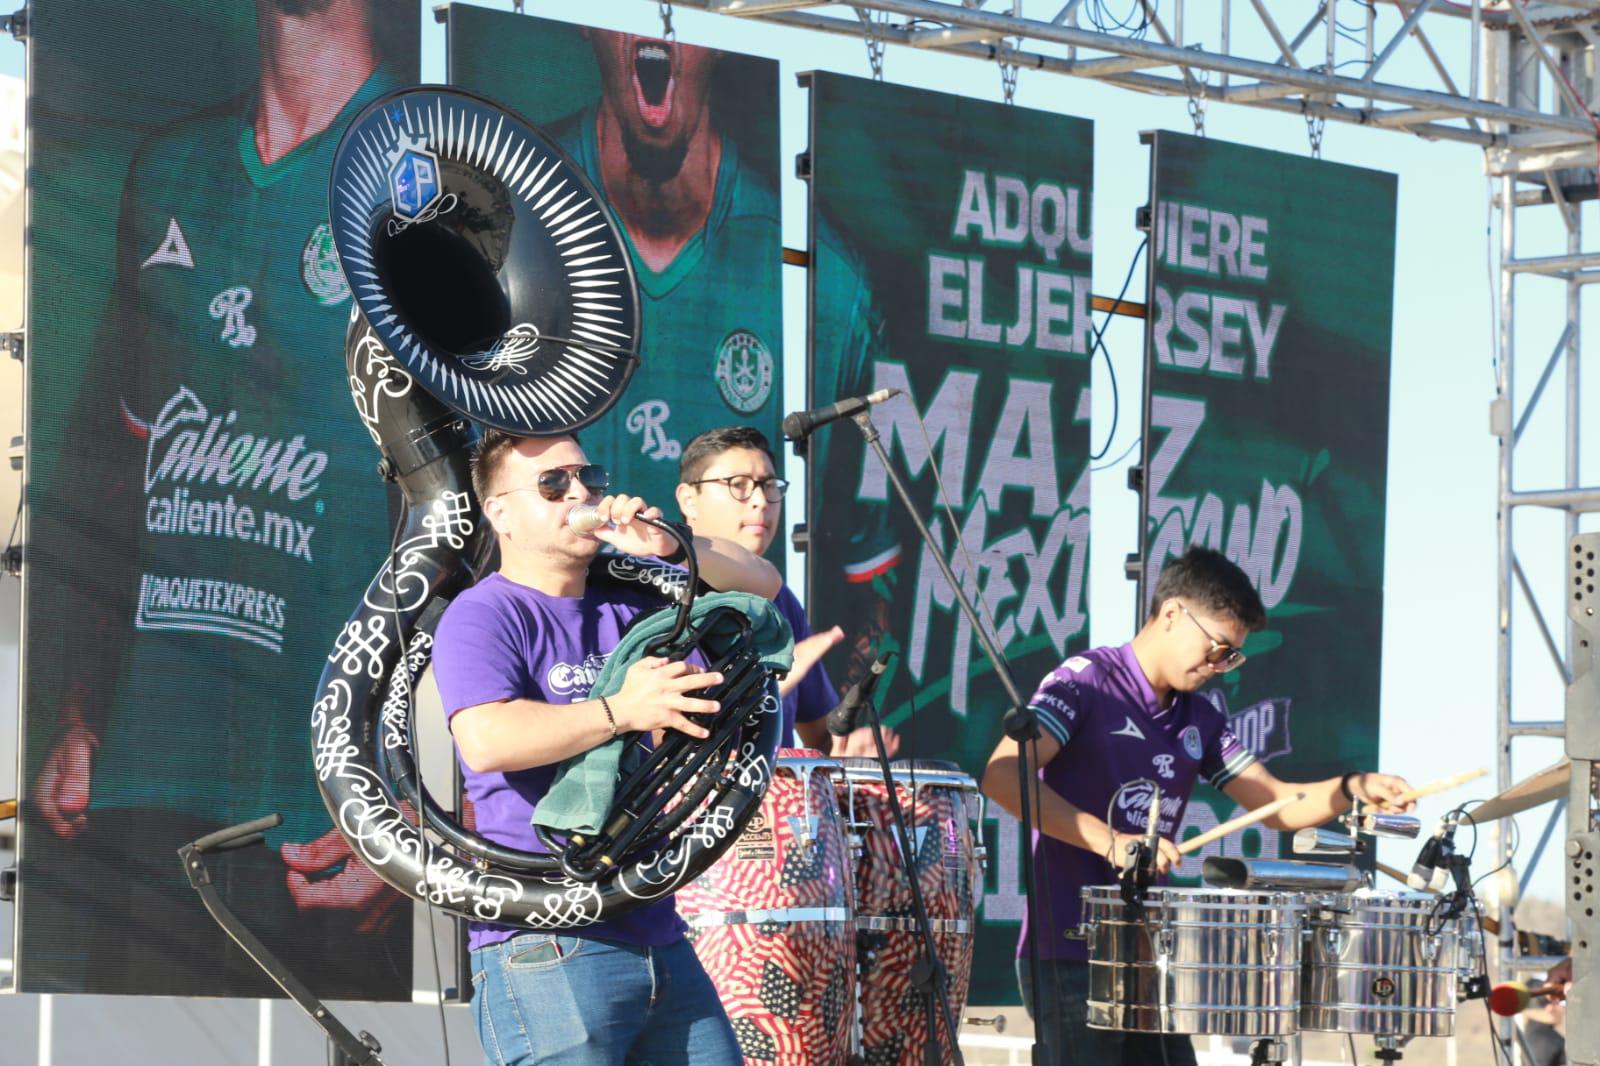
(1112, 719)
(728, 487)
(514, 657)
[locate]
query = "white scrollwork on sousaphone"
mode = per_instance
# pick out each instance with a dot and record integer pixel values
(411, 145)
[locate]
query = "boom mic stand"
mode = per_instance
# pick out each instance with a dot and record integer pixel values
(348, 1049)
(928, 976)
(1021, 724)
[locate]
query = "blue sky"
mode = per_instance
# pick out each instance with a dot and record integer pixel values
(1438, 697)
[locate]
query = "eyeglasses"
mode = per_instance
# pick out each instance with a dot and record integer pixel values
(554, 483)
(740, 486)
(1221, 655)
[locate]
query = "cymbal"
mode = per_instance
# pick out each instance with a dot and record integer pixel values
(1546, 785)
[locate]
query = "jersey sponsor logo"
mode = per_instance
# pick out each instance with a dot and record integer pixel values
(205, 605)
(574, 679)
(187, 443)
(229, 306)
(1133, 801)
(190, 454)
(1076, 664)
(1129, 729)
(173, 251)
(647, 421)
(744, 371)
(319, 268)
(1190, 738)
(1163, 765)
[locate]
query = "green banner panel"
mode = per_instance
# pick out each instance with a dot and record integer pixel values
(1271, 299)
(204, 512)
(951, 254)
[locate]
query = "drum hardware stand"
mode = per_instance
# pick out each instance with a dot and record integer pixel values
(1020, 724)
(1269, 1051)
(928, 975)
(348, 1049)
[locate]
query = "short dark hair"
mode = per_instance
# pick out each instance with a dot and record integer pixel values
(1210, 579)
(704, 449)
(487, 455)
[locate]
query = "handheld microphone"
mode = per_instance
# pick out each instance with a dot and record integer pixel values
(841, 720)
(801, 424)
(1426, 872)
(585, 518)
(1152, 830)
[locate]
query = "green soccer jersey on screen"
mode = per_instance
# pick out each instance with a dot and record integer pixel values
(712, 329)
(260, 518)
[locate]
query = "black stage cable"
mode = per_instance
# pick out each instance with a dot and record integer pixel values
(416, 750)
(1099, 345)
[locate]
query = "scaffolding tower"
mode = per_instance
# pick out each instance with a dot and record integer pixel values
(1517, 79)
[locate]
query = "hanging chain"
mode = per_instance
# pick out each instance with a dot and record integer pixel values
(667, 32)
(1314, 127)
(875, 45)
(1197, 104)
(1008, 75)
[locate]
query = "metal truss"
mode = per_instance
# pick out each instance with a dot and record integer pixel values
(1237, 51)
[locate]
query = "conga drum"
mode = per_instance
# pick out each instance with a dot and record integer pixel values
(772, 921)
(934, 797)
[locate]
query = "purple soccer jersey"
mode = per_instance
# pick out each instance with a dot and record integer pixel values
(500, 640)
(815, 695)
(1100, 707)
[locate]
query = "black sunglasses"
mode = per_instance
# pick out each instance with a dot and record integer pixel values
(554, 483)
(1221, 655)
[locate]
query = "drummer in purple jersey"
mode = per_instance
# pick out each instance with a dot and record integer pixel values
(728, 487)
(1112, 720)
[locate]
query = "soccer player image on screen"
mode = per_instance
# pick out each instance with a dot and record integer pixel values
(1111, 720)
(221, 516)
(702, 225)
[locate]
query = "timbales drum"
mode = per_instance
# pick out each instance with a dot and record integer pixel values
(772, 920)
(949, 863)
(1385, 963)
(1198, 961)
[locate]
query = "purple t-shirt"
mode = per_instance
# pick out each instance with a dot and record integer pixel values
(501, 640)
(815, 695)
(1101, 708)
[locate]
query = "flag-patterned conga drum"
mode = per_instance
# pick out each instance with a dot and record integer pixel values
(773, 921)
(935, 799)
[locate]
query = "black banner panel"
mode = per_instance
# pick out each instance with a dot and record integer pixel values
(204, 508)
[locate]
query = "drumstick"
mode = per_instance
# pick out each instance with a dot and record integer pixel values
(8, 809)
(1444, 784)
(1260, 814)
(1397, 875)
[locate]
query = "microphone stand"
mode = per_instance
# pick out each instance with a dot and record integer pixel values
(928, 975)
(1020, 723)
(347, 1049)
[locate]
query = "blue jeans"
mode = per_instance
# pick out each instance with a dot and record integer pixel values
(568, 1001)
(1063, 1025)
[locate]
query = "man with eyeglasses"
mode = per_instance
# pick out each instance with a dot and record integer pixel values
(514, 657)
(728, 487)
(1112, 721)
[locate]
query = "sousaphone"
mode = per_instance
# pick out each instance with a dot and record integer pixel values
(493, 287)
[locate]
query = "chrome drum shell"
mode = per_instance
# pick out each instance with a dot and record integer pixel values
(1382, 963)
(1199, 961)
